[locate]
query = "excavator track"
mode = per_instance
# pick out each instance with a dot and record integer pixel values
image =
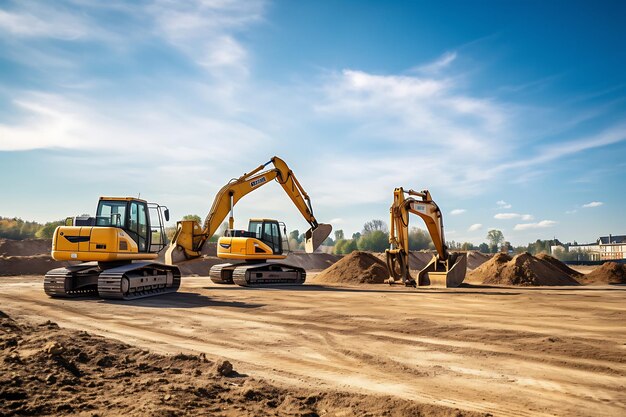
(222, 273)
(138, 280)
(72, 281)
(267, 273)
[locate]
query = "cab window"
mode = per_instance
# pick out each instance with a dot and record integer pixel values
(111, 213)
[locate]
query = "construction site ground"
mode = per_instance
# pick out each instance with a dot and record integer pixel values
(505, 351)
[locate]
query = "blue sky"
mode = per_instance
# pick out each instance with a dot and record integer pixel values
(511, 113)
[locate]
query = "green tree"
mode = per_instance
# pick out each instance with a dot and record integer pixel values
(338, 235)
(375, 241)
(483, 248)
(194, 217)
(295, 235)
(495, 238)
(350, 247)
(468, 246)
(419, 239)
(47, 231)
(356, 235)
(374, 225)
(339, 246)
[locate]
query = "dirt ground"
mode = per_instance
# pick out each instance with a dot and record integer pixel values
(505, 351)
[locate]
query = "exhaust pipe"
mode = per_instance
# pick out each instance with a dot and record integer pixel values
(314, 237)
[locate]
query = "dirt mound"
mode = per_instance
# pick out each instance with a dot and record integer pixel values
(48, 370)
(476, 259)
(608, 273)
(523, 269)
(28, 265)
(355, 268)
(560, 265)
(417, 259)
(312, 261)
(26, 247)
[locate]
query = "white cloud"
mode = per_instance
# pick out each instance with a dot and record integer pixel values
(475, 227)
(503, 204)
(456, 212)
(49, 24)
(429, 112)
(337, 220)
(571, 211)
(540, 225)
(439, 64)
(508, 216)
(593, 204)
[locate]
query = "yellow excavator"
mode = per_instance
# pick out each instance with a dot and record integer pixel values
(118, 248)
(446, 269)
(258, 248)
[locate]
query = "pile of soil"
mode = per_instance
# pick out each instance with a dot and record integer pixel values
(417, 259)
(27, 257)
(476, 259)
(523, 269)
(26, 247)
(608, 273)
(555, 262)
(312, 261)
(52, 371)
(355, 268)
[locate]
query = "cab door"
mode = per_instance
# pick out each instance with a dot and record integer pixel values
(138, 225)
(271, 236)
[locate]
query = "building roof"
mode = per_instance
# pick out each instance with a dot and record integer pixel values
(613, 239)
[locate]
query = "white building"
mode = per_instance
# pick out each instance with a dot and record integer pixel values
(605, 248)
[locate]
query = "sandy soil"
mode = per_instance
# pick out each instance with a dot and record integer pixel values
(506, 351)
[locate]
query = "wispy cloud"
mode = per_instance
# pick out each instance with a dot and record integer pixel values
(439, 64)
(475, 227)
(593, 204)
(571, 211)
(503, 204)
(508, 216)
(456, 212)
(42, 22)
(540, 225)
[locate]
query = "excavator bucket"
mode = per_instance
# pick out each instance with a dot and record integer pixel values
(315, 237)
(448, 274)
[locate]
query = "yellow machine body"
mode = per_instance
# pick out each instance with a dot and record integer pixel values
(245, 248)
(89, 243)
(253, 248)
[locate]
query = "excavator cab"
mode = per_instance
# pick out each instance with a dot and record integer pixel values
(124, 228)
(118, 247)
(263, 240)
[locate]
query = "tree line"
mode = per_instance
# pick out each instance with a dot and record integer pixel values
(18, 229)
(373, 237)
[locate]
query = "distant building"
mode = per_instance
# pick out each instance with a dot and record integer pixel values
(612, 247)
(605, 248)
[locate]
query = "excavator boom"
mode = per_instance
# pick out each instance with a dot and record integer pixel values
(190, 237)
(445, 269)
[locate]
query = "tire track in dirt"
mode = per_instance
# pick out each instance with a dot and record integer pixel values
(358, 341)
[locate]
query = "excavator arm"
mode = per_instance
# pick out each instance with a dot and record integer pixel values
(189, 238)
(445, 269)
